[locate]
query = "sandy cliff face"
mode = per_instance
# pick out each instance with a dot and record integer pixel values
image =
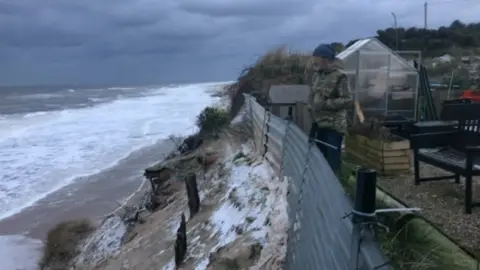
(242, 220)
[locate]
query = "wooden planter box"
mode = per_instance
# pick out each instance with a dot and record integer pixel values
(388, 158)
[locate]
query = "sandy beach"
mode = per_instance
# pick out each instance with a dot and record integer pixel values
(94, 196)
(84, 156)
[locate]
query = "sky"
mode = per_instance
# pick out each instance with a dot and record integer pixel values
(168, 41)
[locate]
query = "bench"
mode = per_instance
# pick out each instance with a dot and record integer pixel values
(452, 144)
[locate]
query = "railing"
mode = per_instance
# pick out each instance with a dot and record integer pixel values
(321, 236)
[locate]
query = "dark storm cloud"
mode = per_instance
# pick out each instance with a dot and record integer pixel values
(246, 8)
(9, 8)
(140, 20)
(37, 36)
(120, 41)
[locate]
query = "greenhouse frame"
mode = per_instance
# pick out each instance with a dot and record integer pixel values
(383, 82)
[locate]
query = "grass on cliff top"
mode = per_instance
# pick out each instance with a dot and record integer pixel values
(62, 241)
(276, 66)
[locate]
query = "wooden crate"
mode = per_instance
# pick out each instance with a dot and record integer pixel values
(388, 158)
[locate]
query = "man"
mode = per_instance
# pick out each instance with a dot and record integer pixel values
(329, 100)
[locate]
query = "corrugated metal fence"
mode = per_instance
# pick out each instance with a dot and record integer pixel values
(321, 236)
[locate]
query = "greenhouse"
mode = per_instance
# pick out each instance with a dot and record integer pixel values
(383, 82)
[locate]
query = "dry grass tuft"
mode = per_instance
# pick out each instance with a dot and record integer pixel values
(277, 66)
(62, 241)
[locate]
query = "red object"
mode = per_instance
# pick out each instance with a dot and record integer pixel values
(469, 94)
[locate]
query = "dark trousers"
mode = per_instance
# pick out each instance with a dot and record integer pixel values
(330, 143)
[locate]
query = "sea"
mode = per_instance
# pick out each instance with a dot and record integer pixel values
(74, 152)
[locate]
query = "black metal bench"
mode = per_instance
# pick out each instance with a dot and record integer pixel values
(452, 144)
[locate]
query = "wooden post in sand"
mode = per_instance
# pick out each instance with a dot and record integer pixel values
(192, 193)
(181, 242)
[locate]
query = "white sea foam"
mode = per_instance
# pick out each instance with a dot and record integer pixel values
(46, 151)
(19, 252)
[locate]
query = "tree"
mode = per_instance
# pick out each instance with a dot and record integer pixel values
(475, 79)
(433, 42)
(461, 77)
(457, 24)
(444, 69)
(338, 46)
(350, 43)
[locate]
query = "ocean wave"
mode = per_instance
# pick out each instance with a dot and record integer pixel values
(35, 96)
(20, 252)
(44, 155)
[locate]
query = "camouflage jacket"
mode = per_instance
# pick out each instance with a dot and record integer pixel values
(330, 98)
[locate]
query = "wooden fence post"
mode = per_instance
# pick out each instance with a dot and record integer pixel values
(192, 193)
(181, 242)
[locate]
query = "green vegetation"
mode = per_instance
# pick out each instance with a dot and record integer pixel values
(458, 40)
(455, 39)
(279, 66)
(461, 74)
(411, 241)
(465, 75)
(212, 120)
(276, 66)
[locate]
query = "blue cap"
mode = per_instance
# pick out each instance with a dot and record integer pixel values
(325, 51)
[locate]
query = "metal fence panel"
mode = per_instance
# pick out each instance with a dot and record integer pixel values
(256, 115)
(320, 236)
(278, 123)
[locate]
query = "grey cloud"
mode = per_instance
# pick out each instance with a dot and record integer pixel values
(140, 20)
(34, 36)
(9, 8)
(136, 14)
(246, 8)
(116, 41)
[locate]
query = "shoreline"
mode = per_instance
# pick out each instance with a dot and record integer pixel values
(95, 196)
(113, 227)
(79, 177)
(65, 148)
(220, 100)
(131, 199)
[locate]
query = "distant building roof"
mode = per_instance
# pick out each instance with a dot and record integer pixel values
(445, 58)
(288, 94)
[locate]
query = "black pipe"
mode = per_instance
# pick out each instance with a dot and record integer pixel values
(365, 195)
(290, 113)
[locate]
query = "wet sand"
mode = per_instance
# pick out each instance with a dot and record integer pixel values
(93, 197)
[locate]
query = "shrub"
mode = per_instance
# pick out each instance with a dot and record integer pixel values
(212, 120)
(276, 66)
(62, 241)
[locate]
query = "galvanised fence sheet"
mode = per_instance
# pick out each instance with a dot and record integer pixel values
(256, 115)
(322, 236)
